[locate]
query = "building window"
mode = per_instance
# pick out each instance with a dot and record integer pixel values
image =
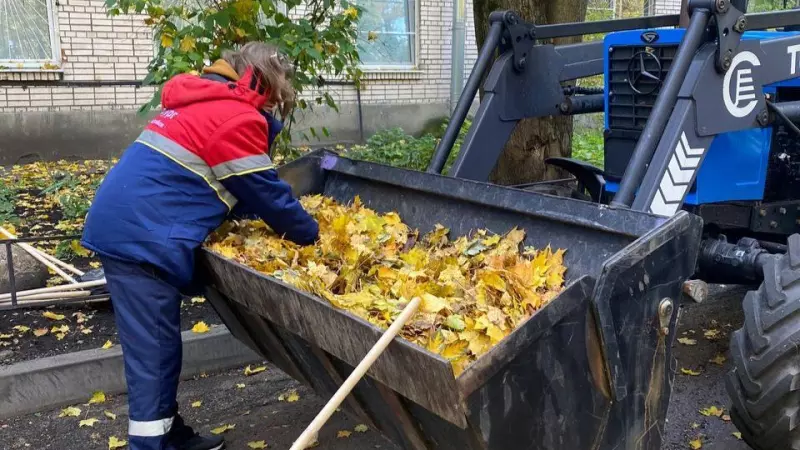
(387, 36)
(27, 34)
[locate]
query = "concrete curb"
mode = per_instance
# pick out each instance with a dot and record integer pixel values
(46, 383)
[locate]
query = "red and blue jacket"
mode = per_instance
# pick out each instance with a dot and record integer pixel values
(202, 159)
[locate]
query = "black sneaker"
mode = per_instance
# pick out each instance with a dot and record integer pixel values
(197, 442)
(183, 437)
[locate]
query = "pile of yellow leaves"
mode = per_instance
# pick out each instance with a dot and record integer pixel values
(475, 290)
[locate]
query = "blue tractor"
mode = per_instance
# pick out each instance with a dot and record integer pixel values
(701, 119)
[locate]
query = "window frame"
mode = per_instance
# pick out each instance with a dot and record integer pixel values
(401, 68)
(35, 65)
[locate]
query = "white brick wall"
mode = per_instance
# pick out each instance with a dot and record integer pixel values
(101, 48)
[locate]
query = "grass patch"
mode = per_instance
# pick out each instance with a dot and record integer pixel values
(587, 145)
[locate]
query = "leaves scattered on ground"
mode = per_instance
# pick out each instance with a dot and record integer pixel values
(114, 443)
(690, 372)
(70, 411)
(475, 290)
(197, 404)
(88, 422)
(719, 359)
(248, 371)
(343, 434)
(290, 397)
(696, 444)
(687, 341)
(711, 411)
(110, 415)
(257, 444)
(107, 345)
(361, 428)
(223, 429)
(97, 398)
(201, 327)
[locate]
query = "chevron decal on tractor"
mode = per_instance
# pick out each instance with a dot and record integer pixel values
(679, 175)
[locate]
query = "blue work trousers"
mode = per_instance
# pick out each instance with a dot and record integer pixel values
(147, 312)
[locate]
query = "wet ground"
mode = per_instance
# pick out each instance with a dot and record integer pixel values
(258, 413)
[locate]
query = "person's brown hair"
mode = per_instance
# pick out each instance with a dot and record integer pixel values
(275, 72)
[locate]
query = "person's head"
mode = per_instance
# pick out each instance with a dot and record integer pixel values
(271, 66)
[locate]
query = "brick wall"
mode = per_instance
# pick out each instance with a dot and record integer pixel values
(101, 48)
(659, 7)
(93, 47)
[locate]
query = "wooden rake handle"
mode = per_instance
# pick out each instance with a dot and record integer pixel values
(313, 428)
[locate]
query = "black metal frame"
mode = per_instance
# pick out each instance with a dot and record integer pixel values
(10, 258)
(525, 81)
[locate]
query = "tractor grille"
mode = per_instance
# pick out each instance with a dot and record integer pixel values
(628, 109)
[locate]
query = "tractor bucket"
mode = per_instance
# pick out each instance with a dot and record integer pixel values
(591, 370)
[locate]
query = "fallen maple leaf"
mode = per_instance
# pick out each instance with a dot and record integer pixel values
(361, 428)
(61, 329)
(39, 332)
(712, 334)
(719, 359)
(70, 412)
(687, 341)
(110, 415)
(689, 372)
(738, 435)
(223, 429)
(22, 328)
(343, 434)
(107, 345)
(60, 336)
(114, 442)
(94, 264)
(198, 300)
(6, 336)
(87, 422)
(711, 411)
(726, 418)
(200, 327)
(98, 397)
(197, 404)
(248, 371)
(53, 316)
(86, 330)
(257, 444)
(695, 444)
(292, 397)
(239, 385)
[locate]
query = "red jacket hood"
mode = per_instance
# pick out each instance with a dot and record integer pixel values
(187, 89)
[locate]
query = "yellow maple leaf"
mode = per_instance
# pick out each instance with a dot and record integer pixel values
(71, 411)
(110, 415)
(223, 428)
(711, 411)
(97, 398)
(351, 12)
(78, 249)
(257, 444)
(187, 43)
(52, 316)
(22, 328)
(737, 434)
(114, 442)
(59, 329)
(342, 434)
(39, 332)
(86, 330)
(687, 341)
(166, 40)
(719, 359)
(87, 422)
(711, 334)
(695, 444)
(6, 336)
(361, 428)
(94, 264)
(689, 372)
(107, 345)
(200, 327)
(248, 371)
(197, 404)
(198, 300)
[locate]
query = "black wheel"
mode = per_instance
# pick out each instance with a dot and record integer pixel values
(764, 383)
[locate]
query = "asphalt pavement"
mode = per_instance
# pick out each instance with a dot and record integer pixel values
(263, 407)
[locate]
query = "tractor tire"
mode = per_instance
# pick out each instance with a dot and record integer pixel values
(764, 383)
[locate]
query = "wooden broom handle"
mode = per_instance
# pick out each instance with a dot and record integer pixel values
(313, 428)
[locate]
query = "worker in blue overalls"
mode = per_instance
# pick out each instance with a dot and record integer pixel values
(203, 158)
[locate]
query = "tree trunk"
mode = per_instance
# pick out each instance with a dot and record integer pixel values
(534, 140)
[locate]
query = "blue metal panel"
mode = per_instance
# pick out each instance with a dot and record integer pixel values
(735, 167)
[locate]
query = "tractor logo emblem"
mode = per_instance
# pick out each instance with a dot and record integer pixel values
(739, 89)
(644, 73)
(648, 37)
